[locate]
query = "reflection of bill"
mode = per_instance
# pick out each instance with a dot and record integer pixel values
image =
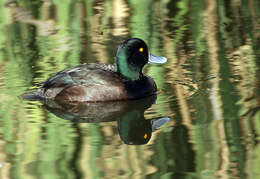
(156, 123)
(133, 128)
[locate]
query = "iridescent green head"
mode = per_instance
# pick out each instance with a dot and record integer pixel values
(131, 57)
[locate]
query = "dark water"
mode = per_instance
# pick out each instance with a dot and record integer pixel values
(204, 122)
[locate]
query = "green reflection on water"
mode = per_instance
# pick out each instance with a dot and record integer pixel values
(209, 88)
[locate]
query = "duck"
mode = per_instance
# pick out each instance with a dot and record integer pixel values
(100, 82)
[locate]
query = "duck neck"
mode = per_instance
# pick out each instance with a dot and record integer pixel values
(127, 70)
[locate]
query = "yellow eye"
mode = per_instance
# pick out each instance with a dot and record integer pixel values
(145, 136)
(141, 49)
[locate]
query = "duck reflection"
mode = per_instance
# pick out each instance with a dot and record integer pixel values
(133, 128)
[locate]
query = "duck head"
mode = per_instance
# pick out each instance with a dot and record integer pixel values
(131, 57)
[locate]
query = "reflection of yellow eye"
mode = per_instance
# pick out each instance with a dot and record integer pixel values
(145, 136)
(141, 49)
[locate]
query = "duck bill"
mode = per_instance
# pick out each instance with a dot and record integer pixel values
(156, 59)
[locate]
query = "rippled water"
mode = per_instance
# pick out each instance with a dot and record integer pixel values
(204, 122)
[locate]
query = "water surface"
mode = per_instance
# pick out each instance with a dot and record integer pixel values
(204, 122)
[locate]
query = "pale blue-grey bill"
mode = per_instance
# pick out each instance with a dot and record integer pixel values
(156, 59)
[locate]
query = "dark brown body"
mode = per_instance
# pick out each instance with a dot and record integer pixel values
(92, 83)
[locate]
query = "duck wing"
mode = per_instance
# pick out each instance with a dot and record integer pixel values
(86, 82)
(81, 74)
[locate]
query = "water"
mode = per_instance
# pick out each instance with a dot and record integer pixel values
(204, 122)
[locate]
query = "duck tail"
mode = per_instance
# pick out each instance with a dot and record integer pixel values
(35, 95)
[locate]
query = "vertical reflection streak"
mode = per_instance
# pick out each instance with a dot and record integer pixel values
(210, 27)
(119, 14)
